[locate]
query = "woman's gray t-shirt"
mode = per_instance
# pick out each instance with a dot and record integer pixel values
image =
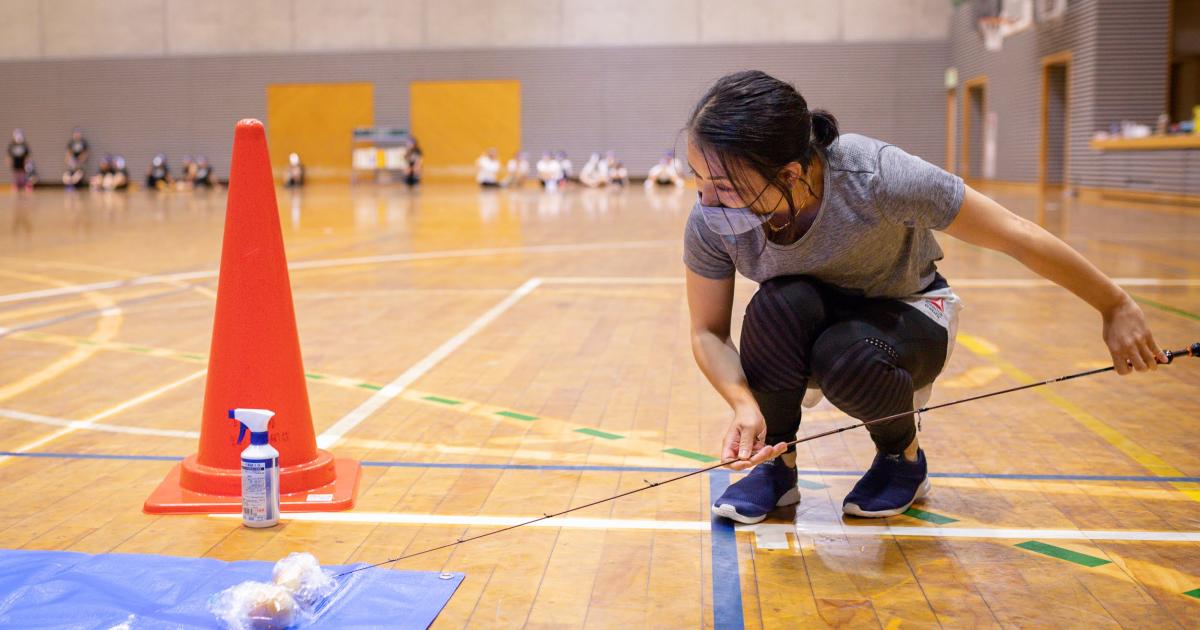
(873, 234)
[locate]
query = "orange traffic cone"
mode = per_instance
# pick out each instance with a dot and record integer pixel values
(255, 362)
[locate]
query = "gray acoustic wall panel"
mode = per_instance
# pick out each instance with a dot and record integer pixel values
(631, 100)
(1118, 72)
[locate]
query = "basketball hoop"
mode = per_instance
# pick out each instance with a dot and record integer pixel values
(993, 32)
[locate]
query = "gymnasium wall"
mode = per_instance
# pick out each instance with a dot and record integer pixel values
(629, 99)
(1118, 71)
(44, 29)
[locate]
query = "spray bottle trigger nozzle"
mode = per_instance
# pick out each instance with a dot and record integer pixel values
(241, 426)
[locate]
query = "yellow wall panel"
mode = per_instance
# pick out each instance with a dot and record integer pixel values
(316, 121)
(456, 120)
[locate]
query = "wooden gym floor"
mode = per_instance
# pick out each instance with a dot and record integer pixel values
(545, 347)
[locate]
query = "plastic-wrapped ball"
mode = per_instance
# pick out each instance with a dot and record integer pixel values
(301, 574)
(273, 608)
(255, 606)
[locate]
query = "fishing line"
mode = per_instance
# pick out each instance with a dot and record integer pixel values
(1191, 351)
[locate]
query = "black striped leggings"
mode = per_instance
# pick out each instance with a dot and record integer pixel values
(868, 355)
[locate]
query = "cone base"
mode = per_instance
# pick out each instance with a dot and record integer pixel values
(315, 471)
(172, 498)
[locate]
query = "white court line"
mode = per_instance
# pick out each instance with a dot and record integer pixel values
(92, 420)
(807, 529)
(343, 262)
(587, 280)
(487, 521)
(971, 283)
(21, 416)
(768, 538)
(394, 388)
(704, 526)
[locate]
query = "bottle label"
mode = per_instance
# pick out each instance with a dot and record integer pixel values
(260, 490)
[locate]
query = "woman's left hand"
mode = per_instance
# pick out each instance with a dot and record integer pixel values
(1129, 340)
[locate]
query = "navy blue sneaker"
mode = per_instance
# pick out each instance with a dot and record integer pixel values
(769, 485)
(889, 487)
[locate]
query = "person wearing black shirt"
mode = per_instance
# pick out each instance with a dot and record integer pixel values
(294, 176)
(202, 177)
(158, 176)
(77, 147)
(120, 175)
(18, 154)
(412, 174)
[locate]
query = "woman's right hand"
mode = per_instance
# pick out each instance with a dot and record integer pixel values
(745, 441)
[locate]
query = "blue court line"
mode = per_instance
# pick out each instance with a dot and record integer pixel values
(581, 467)
(726, 575)
(640, 469)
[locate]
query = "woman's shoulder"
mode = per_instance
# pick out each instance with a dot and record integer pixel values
(855, 152)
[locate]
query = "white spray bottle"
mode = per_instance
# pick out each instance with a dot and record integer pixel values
(260, 469)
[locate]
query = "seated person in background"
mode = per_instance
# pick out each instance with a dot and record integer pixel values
(158, 176)
(412, 176)
(73, 176)
(618, 175)
(487, 169)
(187, 174)
(106, 170)
(549, 171)
(119, 180)
(518, 169)
(77, 147)
(595, 173)
(31, 175)
(568, 169)
(293, 177)
(202, 175)
(18, 154)
(664, 173)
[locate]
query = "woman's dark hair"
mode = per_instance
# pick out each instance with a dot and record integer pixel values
(751, 120)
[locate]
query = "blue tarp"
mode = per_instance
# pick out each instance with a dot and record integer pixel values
(58, 589)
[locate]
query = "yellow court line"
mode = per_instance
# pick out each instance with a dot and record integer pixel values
(544, 425)
(111, 411)
(116, 271)
(11, 316)
(1148, 460)
(106, 330)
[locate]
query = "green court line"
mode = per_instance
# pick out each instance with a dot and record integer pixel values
(87, 342)
(599, 434)
(1193, 593)
(810, 485)
(516, 416)
(444, 401)
(1062, 554)
(1166, 307)
(700, 457)
(936, 519)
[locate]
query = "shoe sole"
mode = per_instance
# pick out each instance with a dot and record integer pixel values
(791, 497)
(854, 510)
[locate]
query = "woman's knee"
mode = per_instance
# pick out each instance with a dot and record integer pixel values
(861, 374)
(781, 321)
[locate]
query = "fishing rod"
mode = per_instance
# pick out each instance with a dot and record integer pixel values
(1191, 351)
